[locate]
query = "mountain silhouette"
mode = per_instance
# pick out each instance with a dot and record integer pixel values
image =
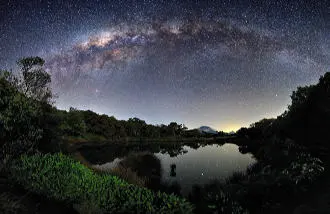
(207, 129)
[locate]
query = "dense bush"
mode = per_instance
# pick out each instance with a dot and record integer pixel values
(221, 202)
(25, 108)
(213, 198)
(304, 169)
(19, 128)
(271, 186)
(61, 178)
(306, 121)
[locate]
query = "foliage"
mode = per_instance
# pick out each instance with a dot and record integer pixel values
(61, 178)
(35, 79)
(19, 117)
(222, 202)
(308, 117)
(262, 128)
(25, 110)
(306, 121)
(74, 123)
(211, 198)
(304, 169)
(271, 184)
(80, 123)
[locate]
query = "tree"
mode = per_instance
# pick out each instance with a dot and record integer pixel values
(307, 119)
(242, 132)
(135, 127)
(74, 123)
(35, 79)
(20, 129)
(24, 107)
(175, 129)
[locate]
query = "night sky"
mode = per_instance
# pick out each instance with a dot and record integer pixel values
(224, 64)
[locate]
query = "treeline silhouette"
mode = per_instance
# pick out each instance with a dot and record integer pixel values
(82, 123)
(306, 122)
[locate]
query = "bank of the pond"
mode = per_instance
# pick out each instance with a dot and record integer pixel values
(61, 178)
(282, 181)
(74, 143)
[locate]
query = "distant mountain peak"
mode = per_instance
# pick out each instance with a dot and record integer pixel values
(207, 129)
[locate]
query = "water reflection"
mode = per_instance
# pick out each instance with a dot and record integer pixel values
(106, 154)
(179, 168)
(173, 173)
(146, 165)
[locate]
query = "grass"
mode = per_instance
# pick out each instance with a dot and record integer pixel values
(61, 178)
(120, 171)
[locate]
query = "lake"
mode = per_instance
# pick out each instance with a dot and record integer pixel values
(184, 166)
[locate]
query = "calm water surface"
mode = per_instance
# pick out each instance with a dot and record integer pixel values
(197, 166)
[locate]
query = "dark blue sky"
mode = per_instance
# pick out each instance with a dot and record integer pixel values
(220, 63)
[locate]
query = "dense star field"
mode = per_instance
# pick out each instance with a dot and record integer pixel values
(218, 63)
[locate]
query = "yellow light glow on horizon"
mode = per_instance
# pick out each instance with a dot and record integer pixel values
(230, 128)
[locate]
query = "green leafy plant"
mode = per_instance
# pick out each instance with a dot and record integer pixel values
(304, 168)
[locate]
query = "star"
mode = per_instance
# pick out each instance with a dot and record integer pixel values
(200, 63)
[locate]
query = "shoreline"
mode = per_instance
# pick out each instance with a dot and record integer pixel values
(78, 144)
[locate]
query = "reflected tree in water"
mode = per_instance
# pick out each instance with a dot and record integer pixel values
(173, 170)
(146, 165)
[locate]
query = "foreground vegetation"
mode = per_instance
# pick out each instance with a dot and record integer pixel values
(61, 178)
